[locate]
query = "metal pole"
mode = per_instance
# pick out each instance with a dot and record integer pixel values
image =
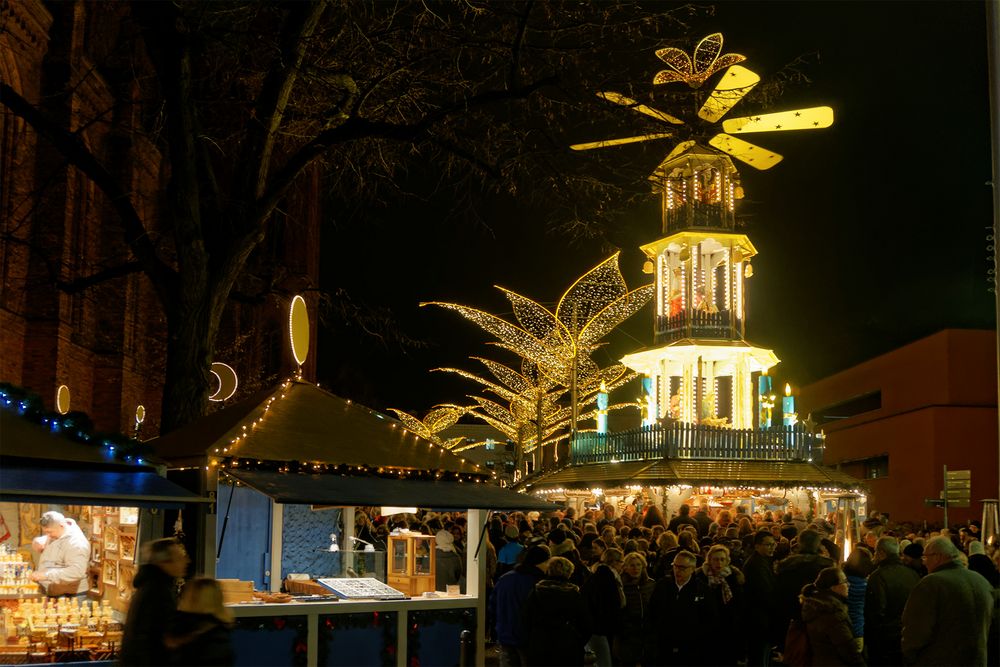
(945, 496)
(993, 60)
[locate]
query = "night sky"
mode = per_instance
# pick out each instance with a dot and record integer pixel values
(871, 234)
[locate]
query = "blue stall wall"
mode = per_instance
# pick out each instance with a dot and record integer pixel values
(269, 641)
(246, 540)
(349, 640)
(305, 536)
(435, 636)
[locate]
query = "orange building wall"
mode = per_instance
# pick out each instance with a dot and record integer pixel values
(939, 407)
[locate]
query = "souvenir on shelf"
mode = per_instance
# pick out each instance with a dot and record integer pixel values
(127, 544)
(111, 539)
(110, 573)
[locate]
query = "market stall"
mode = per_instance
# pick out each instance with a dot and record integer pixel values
(287, 467)
(753, 486)
(115, 503)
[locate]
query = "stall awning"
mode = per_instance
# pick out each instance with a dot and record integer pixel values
(75, 486)
(301, 489)
(593, 472)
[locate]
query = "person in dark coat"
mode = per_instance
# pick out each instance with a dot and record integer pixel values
(889, 586)
(154, 603)
(629, 643)
(683, 518)
(824, 612)
(677, 624)
(793, 573)
(200, 636)
(703, 520)
(449, 568)
(913, 558)
(725, 585)
(507, 603)
(557, 618)
(759, 600)
(947, 618)
(561, 544)
(606, 602)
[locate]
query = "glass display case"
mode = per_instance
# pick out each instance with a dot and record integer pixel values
(411, 563)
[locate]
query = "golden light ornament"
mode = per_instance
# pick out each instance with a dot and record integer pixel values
(588, 310)
(62, 399)
(696, 68)
(734, 84)
(140, 414)
(298, 329)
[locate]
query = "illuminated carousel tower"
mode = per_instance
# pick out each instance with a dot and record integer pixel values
(700, 369)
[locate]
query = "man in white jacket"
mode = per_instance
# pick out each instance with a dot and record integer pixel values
(65, 556)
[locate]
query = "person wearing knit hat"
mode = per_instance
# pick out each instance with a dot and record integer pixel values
(976, 547)
(559, 542)
(913, 558)
(448, 568)
(509, 553)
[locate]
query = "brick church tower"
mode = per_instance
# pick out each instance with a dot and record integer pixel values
(73, 311)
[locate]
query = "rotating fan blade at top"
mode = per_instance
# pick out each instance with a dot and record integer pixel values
(618, 142)
(618, 98)
(813, 118)
(736, 82)
(755, 156)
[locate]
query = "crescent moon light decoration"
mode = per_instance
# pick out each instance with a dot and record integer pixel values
(228, 381)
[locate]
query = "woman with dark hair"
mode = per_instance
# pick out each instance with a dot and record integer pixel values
(824, 611)
(857, 568)
(654, 517)
(556, 618)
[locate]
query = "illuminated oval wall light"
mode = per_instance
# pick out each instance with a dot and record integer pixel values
(140, 414)
(227, 379)
(298, 329)
(62, 399)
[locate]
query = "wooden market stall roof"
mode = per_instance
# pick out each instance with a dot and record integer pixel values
(300, 424)
(327, 489)
(695, 472)
(298, 421)
(37, 465)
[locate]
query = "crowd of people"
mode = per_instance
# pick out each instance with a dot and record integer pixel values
(729, 588)
(633, 588)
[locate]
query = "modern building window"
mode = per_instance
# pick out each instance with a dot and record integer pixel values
(876, 467)
(849, 408)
